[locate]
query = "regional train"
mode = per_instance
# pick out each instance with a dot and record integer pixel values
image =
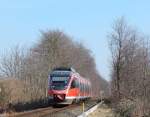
(66, 86)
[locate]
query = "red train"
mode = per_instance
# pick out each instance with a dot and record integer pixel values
(66, 86)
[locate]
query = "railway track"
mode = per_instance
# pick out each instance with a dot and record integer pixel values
(41, 112)
(63, 111)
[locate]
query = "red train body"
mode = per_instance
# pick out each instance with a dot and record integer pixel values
(66, 86)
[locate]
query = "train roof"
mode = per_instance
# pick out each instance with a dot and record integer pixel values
(67, 71)
(64, 69)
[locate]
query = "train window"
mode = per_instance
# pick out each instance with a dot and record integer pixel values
(73, 84)
(82, 87)
(85, 87)
(77, 83)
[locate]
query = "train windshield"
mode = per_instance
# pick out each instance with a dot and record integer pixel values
(59, 80)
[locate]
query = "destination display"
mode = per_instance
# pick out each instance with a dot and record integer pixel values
(59, 78)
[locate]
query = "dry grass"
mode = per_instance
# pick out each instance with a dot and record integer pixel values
(13, 88)
(103, 111)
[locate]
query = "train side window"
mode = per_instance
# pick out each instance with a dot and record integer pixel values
(88, 88)
(77, 83)
(73, 84)
(85, 87)
(81, 87)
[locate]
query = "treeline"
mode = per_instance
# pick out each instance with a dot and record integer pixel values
(31, 67)
(130, 71)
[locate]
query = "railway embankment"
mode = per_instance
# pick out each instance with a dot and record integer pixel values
(64, 111)
(89, 108)
(102, 111)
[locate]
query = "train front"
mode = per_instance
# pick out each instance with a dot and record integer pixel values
(58, 83)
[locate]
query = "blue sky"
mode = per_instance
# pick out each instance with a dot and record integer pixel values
(87, 21)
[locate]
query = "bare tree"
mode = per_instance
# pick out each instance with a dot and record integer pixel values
(130, 65)
(117, 37)
(11, 63)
